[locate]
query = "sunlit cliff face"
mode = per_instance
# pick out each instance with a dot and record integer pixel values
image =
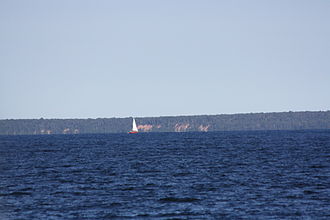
(70, 131)
(181, 127)
(145, 128)
(204, 128)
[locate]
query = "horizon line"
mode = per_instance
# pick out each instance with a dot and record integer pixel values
(124, 117)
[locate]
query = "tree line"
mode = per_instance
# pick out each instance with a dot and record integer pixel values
(203, 123)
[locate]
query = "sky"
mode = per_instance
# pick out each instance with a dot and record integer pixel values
(110, 58)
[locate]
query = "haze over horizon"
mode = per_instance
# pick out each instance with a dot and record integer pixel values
(104, 59)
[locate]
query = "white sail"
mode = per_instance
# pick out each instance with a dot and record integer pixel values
(134, 126)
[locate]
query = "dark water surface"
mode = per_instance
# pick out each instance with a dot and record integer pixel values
(217, 175)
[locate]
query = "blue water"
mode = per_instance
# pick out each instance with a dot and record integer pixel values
(217, 175)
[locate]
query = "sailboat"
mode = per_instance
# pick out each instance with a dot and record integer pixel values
(134, 128)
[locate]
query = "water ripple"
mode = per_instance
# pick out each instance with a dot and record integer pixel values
(216, 175)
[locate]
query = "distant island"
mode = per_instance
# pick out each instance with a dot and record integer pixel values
(203, 123)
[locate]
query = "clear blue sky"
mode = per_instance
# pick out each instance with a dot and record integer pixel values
(80, 59)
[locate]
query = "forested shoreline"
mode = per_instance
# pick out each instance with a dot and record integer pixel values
(202, 123)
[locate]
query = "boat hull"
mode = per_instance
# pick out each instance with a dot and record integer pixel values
(133, 132)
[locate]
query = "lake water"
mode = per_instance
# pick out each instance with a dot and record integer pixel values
(216, 175)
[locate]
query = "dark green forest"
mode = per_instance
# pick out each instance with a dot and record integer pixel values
(203, 123)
